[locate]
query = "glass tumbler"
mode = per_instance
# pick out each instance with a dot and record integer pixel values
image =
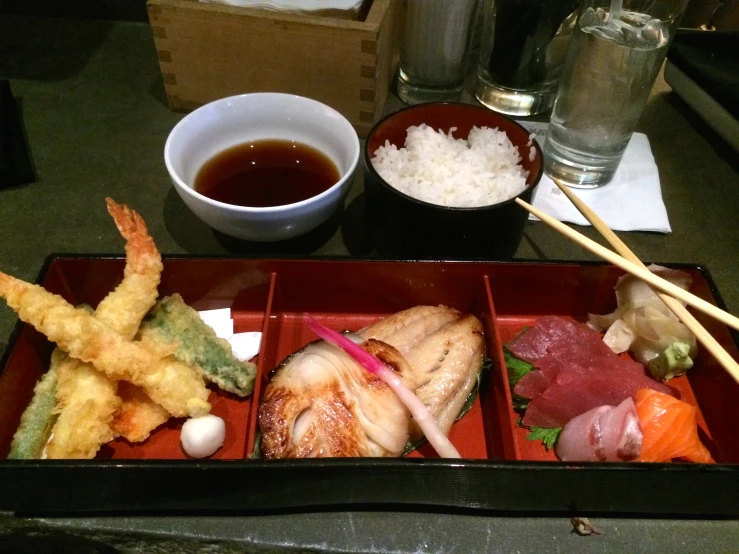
(614, 57)
(522, 51)
(434, 49)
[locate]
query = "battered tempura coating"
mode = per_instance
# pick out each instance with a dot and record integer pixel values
(86, 402)
(124, 308)
(138, 415)
(87, 399)
(173, 321)
(175, 386)
(38, 418)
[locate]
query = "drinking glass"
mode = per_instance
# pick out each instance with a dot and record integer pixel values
(523, 48)
(434, 49)
(613, 60)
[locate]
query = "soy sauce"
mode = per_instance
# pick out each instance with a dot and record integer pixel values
(266, 173)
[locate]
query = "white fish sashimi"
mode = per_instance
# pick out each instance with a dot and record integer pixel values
(603, 434)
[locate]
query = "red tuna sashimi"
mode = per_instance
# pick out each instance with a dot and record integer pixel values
(583, 358)
(531, 385)
(555, 344)
(573, 394)
(605, 433)
(550, 333)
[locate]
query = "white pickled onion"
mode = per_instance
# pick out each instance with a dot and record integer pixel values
(420, 413)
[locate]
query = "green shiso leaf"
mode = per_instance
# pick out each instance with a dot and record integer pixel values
(548, 436)
(516, 368)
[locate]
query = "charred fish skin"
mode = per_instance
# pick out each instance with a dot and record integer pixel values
(173, 321)
(321, 403)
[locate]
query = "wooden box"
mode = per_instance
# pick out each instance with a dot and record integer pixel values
(210, 51)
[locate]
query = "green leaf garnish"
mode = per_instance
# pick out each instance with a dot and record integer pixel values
(516, 368)
(548, 436)
(257, 452)
(519, 402)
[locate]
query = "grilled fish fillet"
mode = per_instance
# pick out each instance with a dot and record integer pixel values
(321, 403)
(444, 350)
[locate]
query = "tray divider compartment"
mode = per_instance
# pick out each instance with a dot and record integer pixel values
(269, 329)
(497, 410)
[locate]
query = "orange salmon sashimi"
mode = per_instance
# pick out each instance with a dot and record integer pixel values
(670, 428)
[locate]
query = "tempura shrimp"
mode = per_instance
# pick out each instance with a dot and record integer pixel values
(124, 308)
(87, 399)
(175, 386)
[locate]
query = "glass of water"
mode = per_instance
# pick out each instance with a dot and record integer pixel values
(435, 42)
(614, 56)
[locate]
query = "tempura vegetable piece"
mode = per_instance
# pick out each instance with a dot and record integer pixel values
(138, 415)
(87, 399)
(38, 418)
(177, 387)
(173, 321)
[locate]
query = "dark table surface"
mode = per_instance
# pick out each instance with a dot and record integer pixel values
(93, 105)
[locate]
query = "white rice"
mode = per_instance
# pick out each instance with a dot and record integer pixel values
(439, 169)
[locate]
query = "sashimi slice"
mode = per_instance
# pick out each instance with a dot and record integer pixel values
(531, 385)
(605, 433)
(551, 333)
(575, 357)
(670, 428)
(621, 432)
(573, 394)
(554, 344)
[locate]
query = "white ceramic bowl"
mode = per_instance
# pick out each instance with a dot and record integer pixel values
(247, 117)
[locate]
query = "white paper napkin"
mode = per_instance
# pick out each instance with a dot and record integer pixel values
(296, 5)
(244, 345)
(631, 202)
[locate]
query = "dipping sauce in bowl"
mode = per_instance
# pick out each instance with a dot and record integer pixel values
(266, 173)
(264, 166)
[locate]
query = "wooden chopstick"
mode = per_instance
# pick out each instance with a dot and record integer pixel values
(705, 338)
(636, 270)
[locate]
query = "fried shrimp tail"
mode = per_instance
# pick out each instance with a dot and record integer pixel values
(125, 307)
(87, 399)
(175, 386)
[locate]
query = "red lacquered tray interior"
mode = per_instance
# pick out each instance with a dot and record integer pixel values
(271, 296)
